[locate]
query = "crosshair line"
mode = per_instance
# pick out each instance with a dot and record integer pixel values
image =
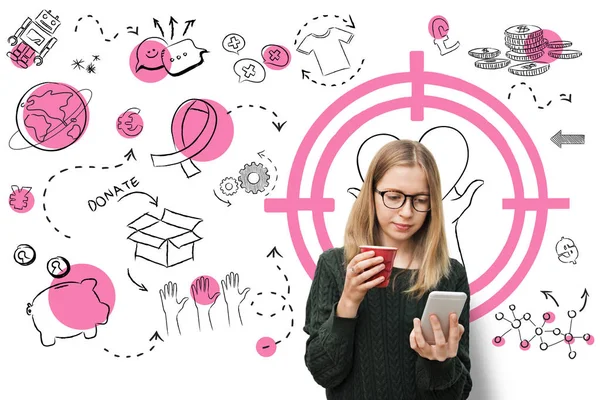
(536, 203)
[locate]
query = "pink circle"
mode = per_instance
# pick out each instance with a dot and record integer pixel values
(569, 339)
(83, 299)
(130, 124)
(54, 115)
(276, 57)
(318, 205)
(524, 345)
(21, 200)
(202, 129)
(438, 27)
(498, 341)
(590, 340)
(549, 317)
(146, 60)
(204, 289)
(266, 346)
(548, 36)
(24, 63)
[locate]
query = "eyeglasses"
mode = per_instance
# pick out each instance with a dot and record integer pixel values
(394, 200)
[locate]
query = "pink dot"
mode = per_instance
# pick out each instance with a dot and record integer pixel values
(21, 200)
(549, 317)
(130, 124)
(54, 115)
(17, 58)
(537, 44)
(83, 299)
(266, 346)
(202, 129)
(204, 289)
(438, 27)
(276, 57)
(524, 345)
(590, 340)
(569, 339)
(146, 60)
(498, 341)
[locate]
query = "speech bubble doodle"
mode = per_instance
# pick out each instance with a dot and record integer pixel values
(275, 56)
(234, 43)
(182, 57)
(249, 70)
(148, 54)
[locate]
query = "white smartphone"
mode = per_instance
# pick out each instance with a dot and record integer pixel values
(442, 304)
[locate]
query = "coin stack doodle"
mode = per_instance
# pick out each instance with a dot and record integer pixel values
(526, 44)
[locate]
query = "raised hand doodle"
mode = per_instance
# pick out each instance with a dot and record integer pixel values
(201, 289)
(170, 305)
(233, 297)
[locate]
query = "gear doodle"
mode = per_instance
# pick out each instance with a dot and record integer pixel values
(229, 186)
(254, 169)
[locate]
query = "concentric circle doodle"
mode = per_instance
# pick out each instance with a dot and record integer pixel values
(254, 172)
(229, 186)
(417, 102)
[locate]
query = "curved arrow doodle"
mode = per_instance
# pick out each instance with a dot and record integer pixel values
(305, 75)
(261, 154)
(278, 125)
(563, 97)
(349, 23)
(127, 156)
(153, 200)
(155, 337)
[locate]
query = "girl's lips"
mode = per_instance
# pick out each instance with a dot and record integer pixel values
(402, 227)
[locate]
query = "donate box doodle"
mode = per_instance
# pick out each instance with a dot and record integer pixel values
(167, 241)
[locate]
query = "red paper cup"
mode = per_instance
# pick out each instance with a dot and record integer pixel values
(388, 254)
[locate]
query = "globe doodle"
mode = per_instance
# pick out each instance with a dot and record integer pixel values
(51, 116)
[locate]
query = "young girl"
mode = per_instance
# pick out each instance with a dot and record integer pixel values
(366, 342)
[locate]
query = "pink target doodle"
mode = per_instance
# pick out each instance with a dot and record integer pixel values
(202, 131)
(317, 204)
(130, 123)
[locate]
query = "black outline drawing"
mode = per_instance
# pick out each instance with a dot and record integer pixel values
(172, 22)
(177, 157)
(441, 42)
(12, 197)
(232, 36)
(178, 53)
(60, 263)
(270, 61)
(155, 337)
(274, 252)
(35, 37)
(278, 125)
(229, 186)
(452, 196)
(22, 257)
(158, 240)
(559, 139)
(306, 76)
(326, 35)
(114, 191)
(351, 26)
(199, 286)
(127, 156)
(261, 154)
(126, 125)
(524, 343)
(141, 287)
(171, 306)
(67, 122)
(254, 169)
(90, 17)
(153, 200)
(77, 64)
(230, 287)
(568, 251)
(49, 339)
(249, 76)
(568, 99)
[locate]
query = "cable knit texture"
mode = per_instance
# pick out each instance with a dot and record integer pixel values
(369, 357)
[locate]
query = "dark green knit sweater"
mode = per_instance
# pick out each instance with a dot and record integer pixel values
(369, 357)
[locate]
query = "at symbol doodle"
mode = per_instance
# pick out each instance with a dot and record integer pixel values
(417, 102)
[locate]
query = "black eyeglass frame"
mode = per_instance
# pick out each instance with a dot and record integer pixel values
(406, 196)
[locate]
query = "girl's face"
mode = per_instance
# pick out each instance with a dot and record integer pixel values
(398, 225)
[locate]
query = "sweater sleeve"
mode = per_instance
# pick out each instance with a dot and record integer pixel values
(450, 379)
(330, 345)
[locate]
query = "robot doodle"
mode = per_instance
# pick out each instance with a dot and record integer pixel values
(33, 40)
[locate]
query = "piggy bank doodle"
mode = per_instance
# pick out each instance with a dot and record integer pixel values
(66, 310)
(182, 57)
(567, 251)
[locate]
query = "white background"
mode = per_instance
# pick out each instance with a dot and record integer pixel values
(224, 364)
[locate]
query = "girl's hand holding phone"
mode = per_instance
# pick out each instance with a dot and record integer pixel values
(442, 349)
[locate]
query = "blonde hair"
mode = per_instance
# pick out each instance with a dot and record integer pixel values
(430, 241)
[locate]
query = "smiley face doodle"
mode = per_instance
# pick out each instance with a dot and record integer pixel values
(567, 251)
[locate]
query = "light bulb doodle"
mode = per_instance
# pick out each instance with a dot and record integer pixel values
(417, 102)
(438, 29)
